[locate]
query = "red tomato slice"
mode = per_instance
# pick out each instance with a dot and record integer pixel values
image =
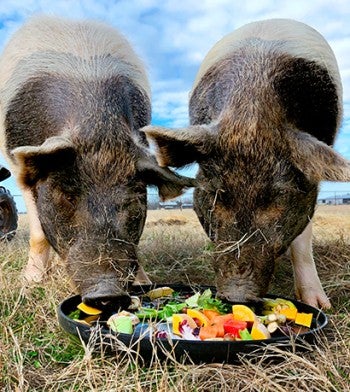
(234, 326)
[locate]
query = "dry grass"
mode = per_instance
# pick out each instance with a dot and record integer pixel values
(36, 355)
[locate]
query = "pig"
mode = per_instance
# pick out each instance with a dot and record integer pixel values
(73, 97)
(264, 111)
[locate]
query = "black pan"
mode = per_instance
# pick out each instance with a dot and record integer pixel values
(146, 347)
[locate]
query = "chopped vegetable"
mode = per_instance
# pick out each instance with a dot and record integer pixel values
(303, 319)
(245, 335)
(219, 321)
(91, 319)
(259, 331)
(286, 303)
(187, 332)
(121, 324)
(147, 313)
(290, 313)
(200, 318)
(275, 305)
(243, 313)
(169, 309)
(272, 327)
(82, 321)
(160, 292)
(75, 314)
(192, 301)
(210, 314)
(224, 317)
(135, 303)
(270, 318)
(284, 308)
(273, 319)
(206, 301)
(233, 327)
(88, 309)
(178, 319)
(163, 314)
(208, 332)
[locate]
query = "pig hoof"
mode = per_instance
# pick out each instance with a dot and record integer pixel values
(108, 303)
(32, 276)
(313, 297)
(318, 301)
(321, 302)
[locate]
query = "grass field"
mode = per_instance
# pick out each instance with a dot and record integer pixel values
(36, 355)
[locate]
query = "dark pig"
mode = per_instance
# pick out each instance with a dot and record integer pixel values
(73, 97)
(264, 110)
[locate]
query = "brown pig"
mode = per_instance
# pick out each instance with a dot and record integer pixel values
(264, 111)
(73, 96)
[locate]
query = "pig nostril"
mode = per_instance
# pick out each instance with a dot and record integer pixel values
(110, 303)
(249, 300)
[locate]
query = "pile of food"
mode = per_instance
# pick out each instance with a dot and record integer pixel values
(165, 313)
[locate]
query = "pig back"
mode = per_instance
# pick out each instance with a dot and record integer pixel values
(275, 71)
(79, 51)
(285, 35)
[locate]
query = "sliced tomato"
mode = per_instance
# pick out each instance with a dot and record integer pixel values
(233, 327)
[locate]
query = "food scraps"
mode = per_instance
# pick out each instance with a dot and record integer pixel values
(200, 316)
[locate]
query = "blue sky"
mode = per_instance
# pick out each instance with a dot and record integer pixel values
(172, 37)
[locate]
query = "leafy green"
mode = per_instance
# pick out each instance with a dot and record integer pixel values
(206, 301)
(147, 313)
(216, 304)
(207, 294)
(74, 315)
(166, 311)
(192, 302)
(170, 309)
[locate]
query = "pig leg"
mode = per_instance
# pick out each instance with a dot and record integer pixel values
(308, 287)
(39, 247)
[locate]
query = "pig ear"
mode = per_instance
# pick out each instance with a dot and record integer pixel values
(36, 162)
(169, 184)
(182, 146)
(317, 160)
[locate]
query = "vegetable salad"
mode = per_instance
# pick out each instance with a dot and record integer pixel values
(200, 316)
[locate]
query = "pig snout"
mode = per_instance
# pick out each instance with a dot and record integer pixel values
(243, 279)
(239, 294)
(107, 294)
(102, 274)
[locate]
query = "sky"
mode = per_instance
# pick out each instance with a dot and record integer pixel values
(173, 36)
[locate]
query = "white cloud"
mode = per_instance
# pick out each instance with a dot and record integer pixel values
(174, 36)
(170, 103)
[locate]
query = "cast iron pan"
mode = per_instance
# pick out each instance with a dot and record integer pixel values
(145, 346)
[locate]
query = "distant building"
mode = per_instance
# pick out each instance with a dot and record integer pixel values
(181, 202)
(187, 205)
(174, 205)
(335, 200)
(168, 205)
